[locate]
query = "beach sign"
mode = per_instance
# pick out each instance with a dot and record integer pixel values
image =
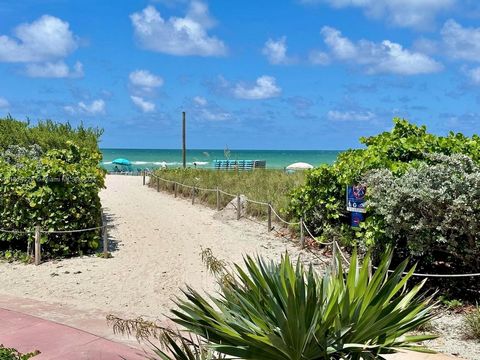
(356, 198)
(356, 219)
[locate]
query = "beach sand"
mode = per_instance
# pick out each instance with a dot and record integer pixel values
(157, 241)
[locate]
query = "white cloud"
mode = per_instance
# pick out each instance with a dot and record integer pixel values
(376, 58)
(142, 104)
(96, 107)
(54, 70)
(404, 13)
(48, 38)
(4, 103)
(473, 74)
(265, 87)
(336, 115)
(202, 109)
(276, 51)
(317, 57)
(177, 35)
(145, 79)
(461, 42)
(199, 100)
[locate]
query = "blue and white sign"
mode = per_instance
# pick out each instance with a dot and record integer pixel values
(356, 198)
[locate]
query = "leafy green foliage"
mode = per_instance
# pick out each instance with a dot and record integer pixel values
(435, 222)
(59, 191)
(432, 214)
(50, 176)
(282, 311)
(46, 134)
(13, 354)
(407, 145)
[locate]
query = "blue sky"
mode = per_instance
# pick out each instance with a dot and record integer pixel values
(290, 74)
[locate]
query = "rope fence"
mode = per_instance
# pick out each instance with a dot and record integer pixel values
(303, 227)
(38, 233)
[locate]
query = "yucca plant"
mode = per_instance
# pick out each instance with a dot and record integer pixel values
(272, 311)
(167, 343)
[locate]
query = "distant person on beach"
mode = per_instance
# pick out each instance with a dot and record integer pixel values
(116, 169)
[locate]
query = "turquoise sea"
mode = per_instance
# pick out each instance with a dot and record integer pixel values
(154, 158)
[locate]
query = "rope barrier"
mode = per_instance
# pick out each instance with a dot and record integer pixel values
(54, 231)
(226, 193)
(258, 202)
(279, 218)
(205, 189)
(17, 231)
(74, 231)
(334, 243)
(437, 275)
(313, 237)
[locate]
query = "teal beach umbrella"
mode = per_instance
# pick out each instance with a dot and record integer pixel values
(121, 161)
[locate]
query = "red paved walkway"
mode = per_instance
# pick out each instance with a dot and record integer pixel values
(55, 341)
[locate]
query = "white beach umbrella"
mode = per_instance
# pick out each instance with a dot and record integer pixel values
(299, 166)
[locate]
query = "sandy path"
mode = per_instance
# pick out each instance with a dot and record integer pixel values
(158, 242)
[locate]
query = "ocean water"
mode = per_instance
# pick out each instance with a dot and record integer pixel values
(154, 158)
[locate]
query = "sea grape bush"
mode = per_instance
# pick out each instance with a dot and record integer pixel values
(321, 200)
(59, 191)
(47, 135)
(53, 183)
(431, 212)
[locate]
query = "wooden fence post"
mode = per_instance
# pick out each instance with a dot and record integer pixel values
(193, 195)
(269, 212)
(302, 234)
(175, 187)
(105, 241)
(38, 253)
(239, 210)
(218, 199)
(158, 184)
(143, 177)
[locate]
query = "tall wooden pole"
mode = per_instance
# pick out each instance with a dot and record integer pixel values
(184, 145)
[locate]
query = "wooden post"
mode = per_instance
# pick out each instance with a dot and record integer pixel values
(193, 195)
(143, 177)
(105, 240)
(38, 253)
(158, 184)
(218, 199)
(239, 210)
(269, 212)
(302, 234)
(175, 187)
(184, 141)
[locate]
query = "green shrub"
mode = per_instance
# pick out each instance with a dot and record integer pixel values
(435, 222)
(431, 213)
(282, 311)
(322, 198)
(46, 134)
(58, 191)
(50, 176)
(472, 324)
(13, 354)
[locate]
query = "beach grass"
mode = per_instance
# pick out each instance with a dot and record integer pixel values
(262, 185)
